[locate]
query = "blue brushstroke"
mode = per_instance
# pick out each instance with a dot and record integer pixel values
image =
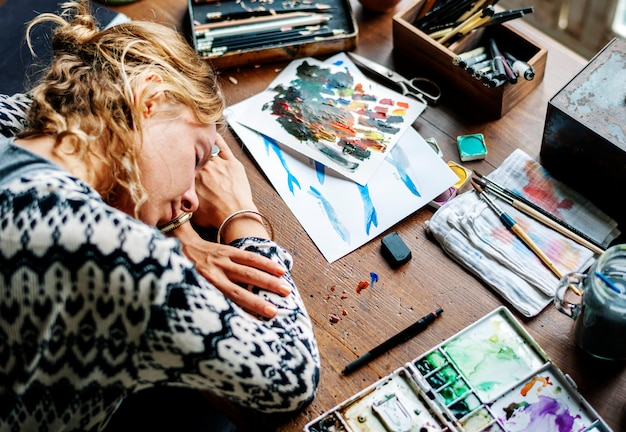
(291, 179)
(401, 163)
(371, 218)
(332, 215)
(320, 170)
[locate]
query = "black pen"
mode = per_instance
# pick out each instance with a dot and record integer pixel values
(397, 339)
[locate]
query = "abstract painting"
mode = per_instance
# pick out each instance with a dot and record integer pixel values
(332, 113)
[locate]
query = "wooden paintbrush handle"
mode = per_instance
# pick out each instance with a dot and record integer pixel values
(555, 226)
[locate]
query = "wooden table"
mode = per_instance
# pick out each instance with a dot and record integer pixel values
(431, 278)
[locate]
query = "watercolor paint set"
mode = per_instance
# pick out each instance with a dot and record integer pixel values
(490, 377)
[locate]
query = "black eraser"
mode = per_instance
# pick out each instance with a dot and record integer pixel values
(394, 250)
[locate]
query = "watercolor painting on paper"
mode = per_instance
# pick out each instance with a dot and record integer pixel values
(340, 215)
(330, 112)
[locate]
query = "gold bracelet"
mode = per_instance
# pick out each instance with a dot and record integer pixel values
(176, 222)
(266, 223)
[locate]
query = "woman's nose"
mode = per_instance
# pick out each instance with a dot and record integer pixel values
(190, 201)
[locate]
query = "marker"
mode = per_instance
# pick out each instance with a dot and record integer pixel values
(397, 339)
(520, 67)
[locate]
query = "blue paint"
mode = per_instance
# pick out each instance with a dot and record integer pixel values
(291, 179)
(370, 215)
(332, 215)
(402, 165)
(373, 279)
(320, 170)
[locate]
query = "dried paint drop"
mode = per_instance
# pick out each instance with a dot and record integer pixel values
(373, 277)
(233, 80)
(361, 286)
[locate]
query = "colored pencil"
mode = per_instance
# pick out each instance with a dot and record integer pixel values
(258, 37)
(238, 30)
(250, 20)
(230, 16)
(234, 45)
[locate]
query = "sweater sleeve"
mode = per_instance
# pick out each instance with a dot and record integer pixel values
(198, 337)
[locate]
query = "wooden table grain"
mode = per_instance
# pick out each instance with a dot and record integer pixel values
(431, 278)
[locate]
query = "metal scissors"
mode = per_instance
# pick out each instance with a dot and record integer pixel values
(421, 89)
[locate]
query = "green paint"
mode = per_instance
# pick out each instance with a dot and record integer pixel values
(443, 377)
(463, 407)
(492, 356)
(472, 147)
(431, 362)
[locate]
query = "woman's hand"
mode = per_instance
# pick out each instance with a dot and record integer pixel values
(227, 267)
(222, 187)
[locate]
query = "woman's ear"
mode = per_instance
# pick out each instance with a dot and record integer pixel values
(155, 97)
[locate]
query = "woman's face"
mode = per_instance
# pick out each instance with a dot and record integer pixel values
(174, 148)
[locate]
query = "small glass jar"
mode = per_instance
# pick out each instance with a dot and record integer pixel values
(600, 317)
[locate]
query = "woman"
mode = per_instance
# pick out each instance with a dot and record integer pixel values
(96, 303)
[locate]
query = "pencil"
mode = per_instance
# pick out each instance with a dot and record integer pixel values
(229, 16)
(510, 223)
(493, 186)
(238, 30)
(251, 20)
(540, 217)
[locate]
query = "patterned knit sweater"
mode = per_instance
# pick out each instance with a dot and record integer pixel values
(95, 305)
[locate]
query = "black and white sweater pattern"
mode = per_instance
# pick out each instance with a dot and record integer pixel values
(95, 305)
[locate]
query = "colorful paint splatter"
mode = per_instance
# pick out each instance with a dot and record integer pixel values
(321, 106)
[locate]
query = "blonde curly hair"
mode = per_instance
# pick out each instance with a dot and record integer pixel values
(92, 94)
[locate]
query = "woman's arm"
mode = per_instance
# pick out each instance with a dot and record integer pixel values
(223, 189)
(203, 339)
(232, 270)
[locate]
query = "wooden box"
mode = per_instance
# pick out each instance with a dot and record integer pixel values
(584, 138)
(340, 35)
(417, 47)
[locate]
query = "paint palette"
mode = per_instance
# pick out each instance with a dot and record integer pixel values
(490, 377)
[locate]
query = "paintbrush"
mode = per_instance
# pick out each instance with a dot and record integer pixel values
(538, 216)
(510, 223)
(493, 186)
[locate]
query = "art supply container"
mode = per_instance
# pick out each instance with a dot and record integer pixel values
(600, 316)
